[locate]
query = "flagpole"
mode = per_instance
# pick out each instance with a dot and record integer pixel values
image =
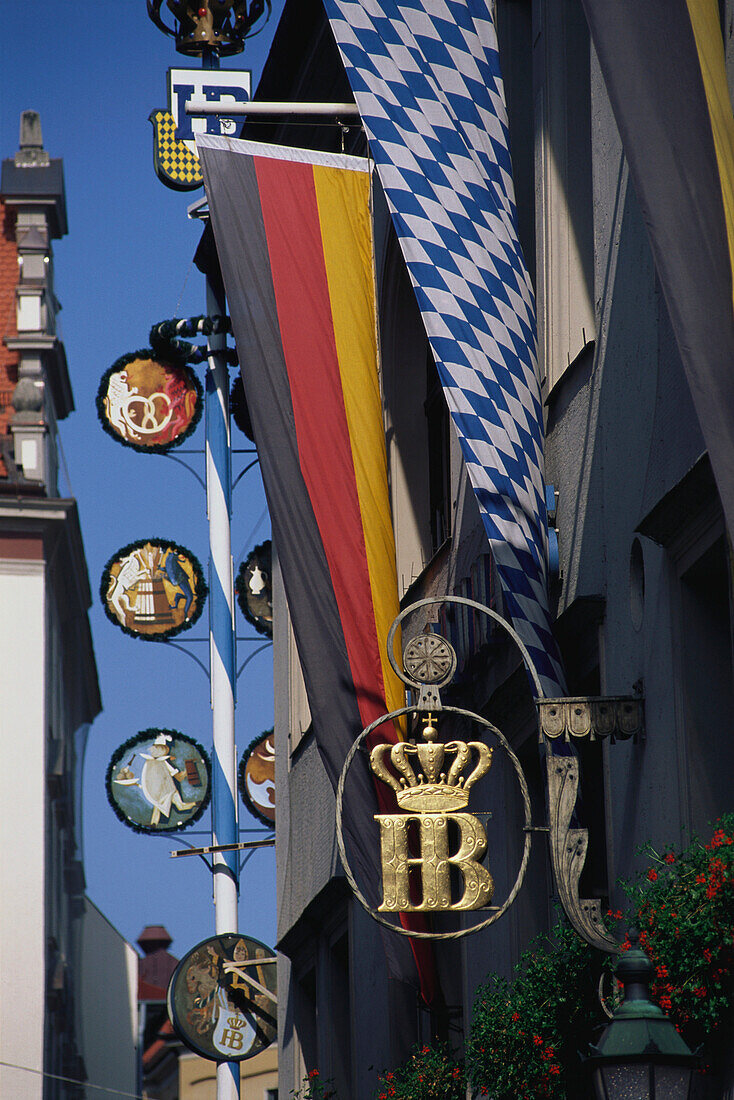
(222, 653)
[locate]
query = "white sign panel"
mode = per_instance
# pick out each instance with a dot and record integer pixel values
(221, 86)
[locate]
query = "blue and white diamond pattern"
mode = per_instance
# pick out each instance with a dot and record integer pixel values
(426, 77)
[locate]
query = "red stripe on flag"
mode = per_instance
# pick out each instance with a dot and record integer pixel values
(292, 227)
(295, 246)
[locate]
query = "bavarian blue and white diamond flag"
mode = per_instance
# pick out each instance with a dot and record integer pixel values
(426, 78)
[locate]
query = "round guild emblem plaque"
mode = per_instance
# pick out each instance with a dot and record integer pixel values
(222, 998)
(159, 781)
(149, 404)
(257, 778)
(254, 588)
(153, 589)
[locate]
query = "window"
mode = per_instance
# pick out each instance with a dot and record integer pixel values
(307, 1020)
(341, 1016)
(707, 682)
(687, 522)
(322, 1001)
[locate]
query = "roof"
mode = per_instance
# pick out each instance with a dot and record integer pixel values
(154, 936)
(159, 1046)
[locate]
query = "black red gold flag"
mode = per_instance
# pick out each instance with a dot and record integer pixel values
(293, 235)
(663, 64)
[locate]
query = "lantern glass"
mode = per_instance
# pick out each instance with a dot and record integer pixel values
(627, 1082)
(642, 1081)
(672, 1082)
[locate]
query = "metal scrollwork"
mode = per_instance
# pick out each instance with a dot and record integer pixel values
(620, 717)
(568, 848)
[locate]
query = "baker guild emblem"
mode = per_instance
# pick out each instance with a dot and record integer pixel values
(433, 796)
(149, 404)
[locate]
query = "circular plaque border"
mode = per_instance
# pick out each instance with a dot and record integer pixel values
(527, 827)
(122, 750)
(242, 786)
(202, 589)
(154, 448)
(178, 1027)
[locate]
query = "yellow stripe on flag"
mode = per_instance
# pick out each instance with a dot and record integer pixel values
(343, 202)
(704, 16)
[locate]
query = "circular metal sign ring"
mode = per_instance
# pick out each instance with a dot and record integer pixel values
(527, 826)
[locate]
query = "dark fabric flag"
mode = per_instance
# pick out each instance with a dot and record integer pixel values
(293, 235)
(663, 64)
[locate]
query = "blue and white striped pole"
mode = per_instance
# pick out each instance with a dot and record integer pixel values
(222, 653)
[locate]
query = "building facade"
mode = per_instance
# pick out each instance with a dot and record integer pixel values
(641, 590)
(55, 946)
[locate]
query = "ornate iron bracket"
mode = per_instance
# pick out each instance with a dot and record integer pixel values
(568, 848)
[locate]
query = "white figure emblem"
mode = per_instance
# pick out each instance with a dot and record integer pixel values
(156, 781)
(132, 570)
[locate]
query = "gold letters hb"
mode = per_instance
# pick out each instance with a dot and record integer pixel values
(433, 865)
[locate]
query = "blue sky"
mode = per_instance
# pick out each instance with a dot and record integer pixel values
(95, 71)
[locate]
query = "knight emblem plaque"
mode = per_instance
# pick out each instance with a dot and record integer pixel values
(222, 998)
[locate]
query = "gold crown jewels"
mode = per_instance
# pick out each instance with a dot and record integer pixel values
(236, 1023)
(432, 790)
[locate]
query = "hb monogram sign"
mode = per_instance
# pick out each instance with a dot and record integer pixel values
(433, 852)
(437, 790)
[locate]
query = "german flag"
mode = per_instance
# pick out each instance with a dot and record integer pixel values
(663, 64)
(294, 239)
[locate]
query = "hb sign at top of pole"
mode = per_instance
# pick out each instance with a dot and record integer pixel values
(174, 142)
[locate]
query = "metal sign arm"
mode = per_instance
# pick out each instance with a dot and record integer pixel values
(197, 106)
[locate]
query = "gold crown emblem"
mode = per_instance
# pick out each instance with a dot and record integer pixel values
(431, 790)
(236, 1022)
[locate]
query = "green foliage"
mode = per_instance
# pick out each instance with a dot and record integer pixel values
(313, 1088)
(431, 1073)
(526, 1035)
(683, 906)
